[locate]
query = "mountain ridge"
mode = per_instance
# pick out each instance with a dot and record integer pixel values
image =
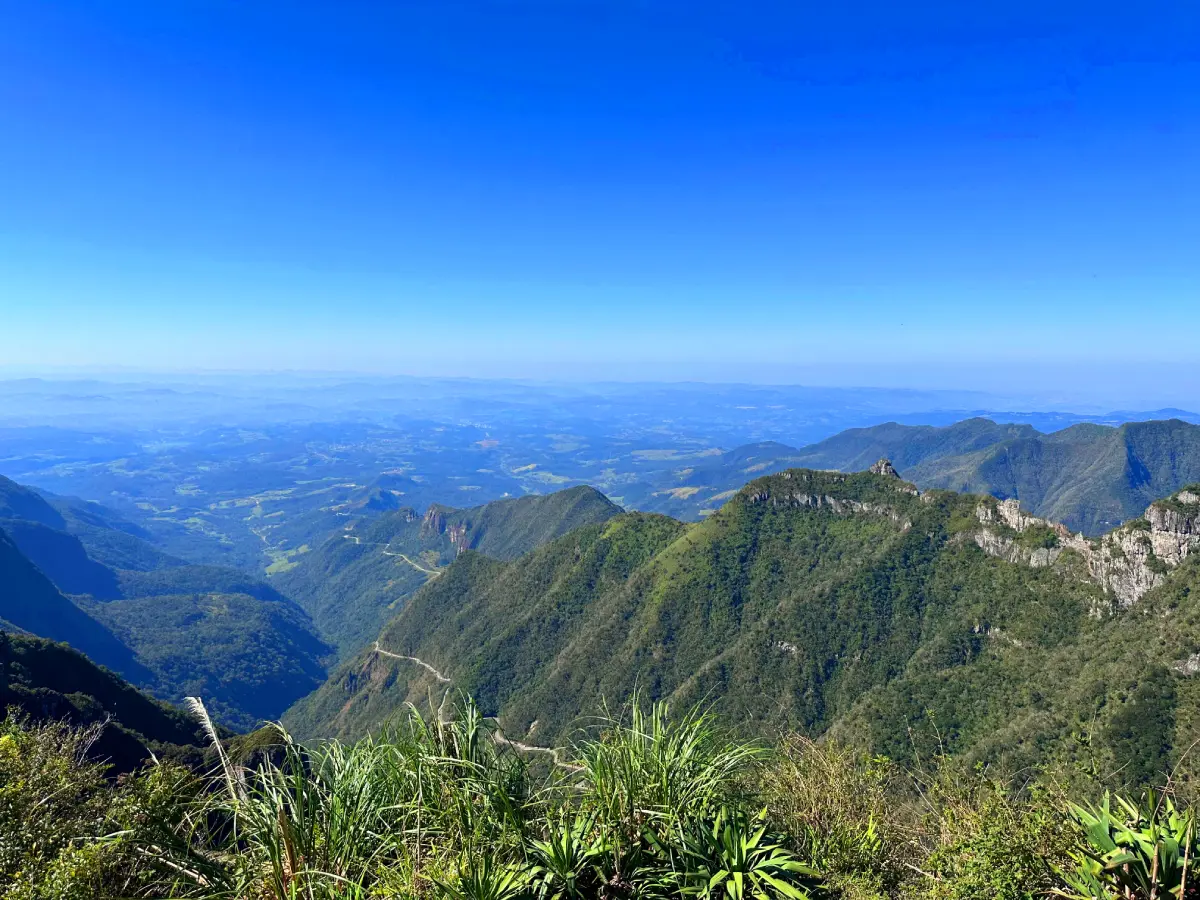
(802, 603)
(169, 627)
(357, 578)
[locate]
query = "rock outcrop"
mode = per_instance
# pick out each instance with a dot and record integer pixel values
(1126, 562)
(884, 467)
(436, 522)
(807, 492)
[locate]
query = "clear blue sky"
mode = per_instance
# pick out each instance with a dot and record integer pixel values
(734, 190)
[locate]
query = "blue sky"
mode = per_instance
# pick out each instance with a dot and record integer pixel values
(864, 193)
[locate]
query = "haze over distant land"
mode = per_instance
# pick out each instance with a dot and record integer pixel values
(1087, 389)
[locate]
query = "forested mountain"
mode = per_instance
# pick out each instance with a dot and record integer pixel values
(107, 537)
(817, 601)
(360, 577)
(48, 681)
(172, 628)
(30, 603)
(249, 659)
(908, 445)
(1089, 477)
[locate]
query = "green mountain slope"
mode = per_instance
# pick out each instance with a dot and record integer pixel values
(20, 502)
(50, 681)
(174, 629)
(358, 579)
(30, 603)
(249, 659)
(63, 559)
(812, 600)
(1089, 477)
(106, 537)
(908, 445)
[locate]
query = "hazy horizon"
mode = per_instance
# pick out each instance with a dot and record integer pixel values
(1046, 388)
(1001, 199)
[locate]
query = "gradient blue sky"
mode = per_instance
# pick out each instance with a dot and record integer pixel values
(865, 192)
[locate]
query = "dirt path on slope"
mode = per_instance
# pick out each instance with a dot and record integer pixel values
(432, 573)
(420, 662)
(497, 735)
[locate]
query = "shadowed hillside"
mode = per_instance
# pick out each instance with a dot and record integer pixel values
(171, 628)
(359, 578)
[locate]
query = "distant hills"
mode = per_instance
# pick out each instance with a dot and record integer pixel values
(698, 485)
(357, 579)
(767, 578)
(1090, 477)
(250, 651)
(169, 627)
(30, 603)
(820, 601)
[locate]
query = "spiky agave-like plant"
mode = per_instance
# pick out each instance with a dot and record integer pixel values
(1131, 850)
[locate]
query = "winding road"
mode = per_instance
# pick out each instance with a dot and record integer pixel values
(420, 662)
(497, 735)
(432, 573)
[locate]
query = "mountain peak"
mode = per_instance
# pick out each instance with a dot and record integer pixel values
(884, 467)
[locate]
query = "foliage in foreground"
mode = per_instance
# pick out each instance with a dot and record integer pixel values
(649, 806)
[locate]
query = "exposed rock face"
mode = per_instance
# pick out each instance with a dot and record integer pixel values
(998, 545)
(805, 493)
(1174, 532)
(837, 505)
(435, 519)
(1189, 666)
(1126, 562)
(1009, 512)
(884, 467)
(458, 537)
(435, 523)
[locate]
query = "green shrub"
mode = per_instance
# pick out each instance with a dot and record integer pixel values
(68, 832)
(1038, 537)
(651, 806)
(986, 842)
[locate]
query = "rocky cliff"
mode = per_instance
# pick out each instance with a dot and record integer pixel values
(1126, 562)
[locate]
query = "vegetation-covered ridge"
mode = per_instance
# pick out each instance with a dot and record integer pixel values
(649, 805)
(49, 682)
(1127, 562)
(77, 572)
(1089, 477)
(362, 575)
(817, 601)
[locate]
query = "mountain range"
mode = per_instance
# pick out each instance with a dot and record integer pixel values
(901, 612)
(819, 601)
(1089, 477)
(50, 681)
(358, 578)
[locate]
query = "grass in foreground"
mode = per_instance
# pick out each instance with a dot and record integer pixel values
(651, 806)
